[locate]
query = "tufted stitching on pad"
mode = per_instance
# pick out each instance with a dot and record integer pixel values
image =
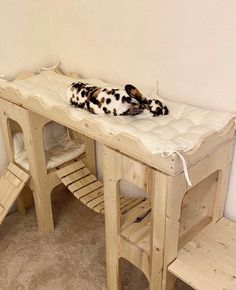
(181, 130)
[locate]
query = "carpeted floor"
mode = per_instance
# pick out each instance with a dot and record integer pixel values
(73, 257)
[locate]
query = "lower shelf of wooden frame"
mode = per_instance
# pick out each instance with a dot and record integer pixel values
(89, 190)
(208, 262)
(136, 226)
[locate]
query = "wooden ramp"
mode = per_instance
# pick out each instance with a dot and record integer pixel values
(208, 262)
(11, 184)
(88, 189)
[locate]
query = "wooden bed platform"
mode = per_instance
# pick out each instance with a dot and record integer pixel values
(159, 232)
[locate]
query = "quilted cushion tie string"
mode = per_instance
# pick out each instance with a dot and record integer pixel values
(186, 174)
(184, 163)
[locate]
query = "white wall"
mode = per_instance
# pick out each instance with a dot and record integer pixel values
(189, 46)
(197, 59)
(24, 43)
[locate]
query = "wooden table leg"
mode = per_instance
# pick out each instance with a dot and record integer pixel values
(112, 218)
(33, 137)
(167, 195)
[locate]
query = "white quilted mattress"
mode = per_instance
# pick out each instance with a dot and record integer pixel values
(183, 129)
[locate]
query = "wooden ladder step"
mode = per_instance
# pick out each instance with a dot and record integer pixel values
(209, 260)
(12, 182)
(89, 190)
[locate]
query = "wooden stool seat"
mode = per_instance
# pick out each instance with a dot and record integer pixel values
(89, 190)
(209, 260)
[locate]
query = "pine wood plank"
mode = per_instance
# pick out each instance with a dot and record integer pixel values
(144, 243)
(97, 201)
(188, 235)
(69, 179)
(126, 202)
(132, 205)
(1, 209)
(209, 260)
(7, 189)
(12, 178)
(11, 187)
(129, 217)
(82, 183)
(70, 169)
(136, 231)
(21, 174)
(88, 189)
(98, 208)
(91, 196)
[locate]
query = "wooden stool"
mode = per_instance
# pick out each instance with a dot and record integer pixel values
(150, 240)
(42, 181)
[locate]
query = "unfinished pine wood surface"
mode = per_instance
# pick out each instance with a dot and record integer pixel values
(197, 208)
(178, 212)
(90, 152)
(8, 140)
(138, 235)
(12, 182)
(208, 262)
(128, 235)
(89, 190)
(42, 181)
(218, 161)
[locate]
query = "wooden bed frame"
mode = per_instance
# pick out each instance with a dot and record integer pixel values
(150, 239)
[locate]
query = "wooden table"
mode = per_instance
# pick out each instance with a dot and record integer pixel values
(178, 211)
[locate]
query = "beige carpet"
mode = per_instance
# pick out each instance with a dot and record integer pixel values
(73, 257)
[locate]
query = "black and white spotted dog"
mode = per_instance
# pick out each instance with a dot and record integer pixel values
(111, 101)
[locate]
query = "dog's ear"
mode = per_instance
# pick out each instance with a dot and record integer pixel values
(134, 93)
